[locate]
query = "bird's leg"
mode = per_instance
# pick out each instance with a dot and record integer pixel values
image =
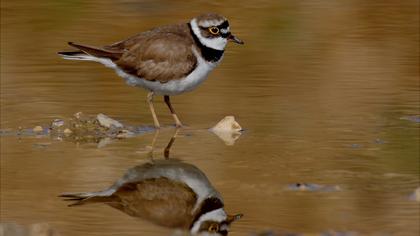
(152, 147)
(168, 102)
(171, 142)
(152, 109)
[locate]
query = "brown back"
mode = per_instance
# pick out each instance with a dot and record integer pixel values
(159, 200)
(161, 54)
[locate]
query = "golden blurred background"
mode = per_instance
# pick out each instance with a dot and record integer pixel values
(322, 88)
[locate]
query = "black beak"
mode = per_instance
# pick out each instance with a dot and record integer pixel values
(233, 38)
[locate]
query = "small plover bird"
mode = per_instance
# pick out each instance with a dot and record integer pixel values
(167, 60)
(169, 193)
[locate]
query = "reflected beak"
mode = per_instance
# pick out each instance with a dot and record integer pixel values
(233, 38)
(233, 218)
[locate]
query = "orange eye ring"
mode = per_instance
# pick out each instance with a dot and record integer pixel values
(214, 30)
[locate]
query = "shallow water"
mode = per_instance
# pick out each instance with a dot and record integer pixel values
(322, 89)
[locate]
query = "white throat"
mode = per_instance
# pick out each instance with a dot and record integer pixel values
(217, 215)
(218, 43)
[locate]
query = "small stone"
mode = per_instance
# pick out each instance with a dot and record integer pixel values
(78, 115)
(57, 123)
(107, 122)
(37, 129)
(82, 118)
(228, 130)
(125, 134)
(227, 124)
(67, 131)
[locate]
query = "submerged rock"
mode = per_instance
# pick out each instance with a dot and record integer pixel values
(228, 130)
(412, 118)
(415, 196)
(57, 123)
(379, 141)
(67, 131)
(125, 134)
(82, 128)
(90, 128)
(356, 145)
(313, 187)
(38, 229)
(38, 129)
(108, 122)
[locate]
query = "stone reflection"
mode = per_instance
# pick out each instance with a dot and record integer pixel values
(169, 193)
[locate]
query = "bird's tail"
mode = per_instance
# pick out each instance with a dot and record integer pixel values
(88, 197)
(89, 53)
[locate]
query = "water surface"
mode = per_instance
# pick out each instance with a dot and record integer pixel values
(319, 86)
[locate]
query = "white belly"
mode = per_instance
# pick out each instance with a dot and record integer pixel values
(172, 87)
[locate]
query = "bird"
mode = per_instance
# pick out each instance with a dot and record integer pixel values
(168, 193)
(167, 60)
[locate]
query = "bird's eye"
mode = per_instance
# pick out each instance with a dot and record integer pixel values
(214, 228)
(214, 30)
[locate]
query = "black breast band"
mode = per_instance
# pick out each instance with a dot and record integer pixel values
(209, 54)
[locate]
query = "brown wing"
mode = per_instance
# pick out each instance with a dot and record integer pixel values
(164, 54)
(179, 29)
(160, 200)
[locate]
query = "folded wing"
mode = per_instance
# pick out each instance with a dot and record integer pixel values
(159, 57)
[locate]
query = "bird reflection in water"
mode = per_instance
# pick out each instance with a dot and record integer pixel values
(167, 192)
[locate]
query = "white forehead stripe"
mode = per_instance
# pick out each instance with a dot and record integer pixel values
(217, 43)
(224, 31)
(217, 215)
(208, 23)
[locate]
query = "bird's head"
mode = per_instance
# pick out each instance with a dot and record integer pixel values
(214, 223)
(213, 31)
